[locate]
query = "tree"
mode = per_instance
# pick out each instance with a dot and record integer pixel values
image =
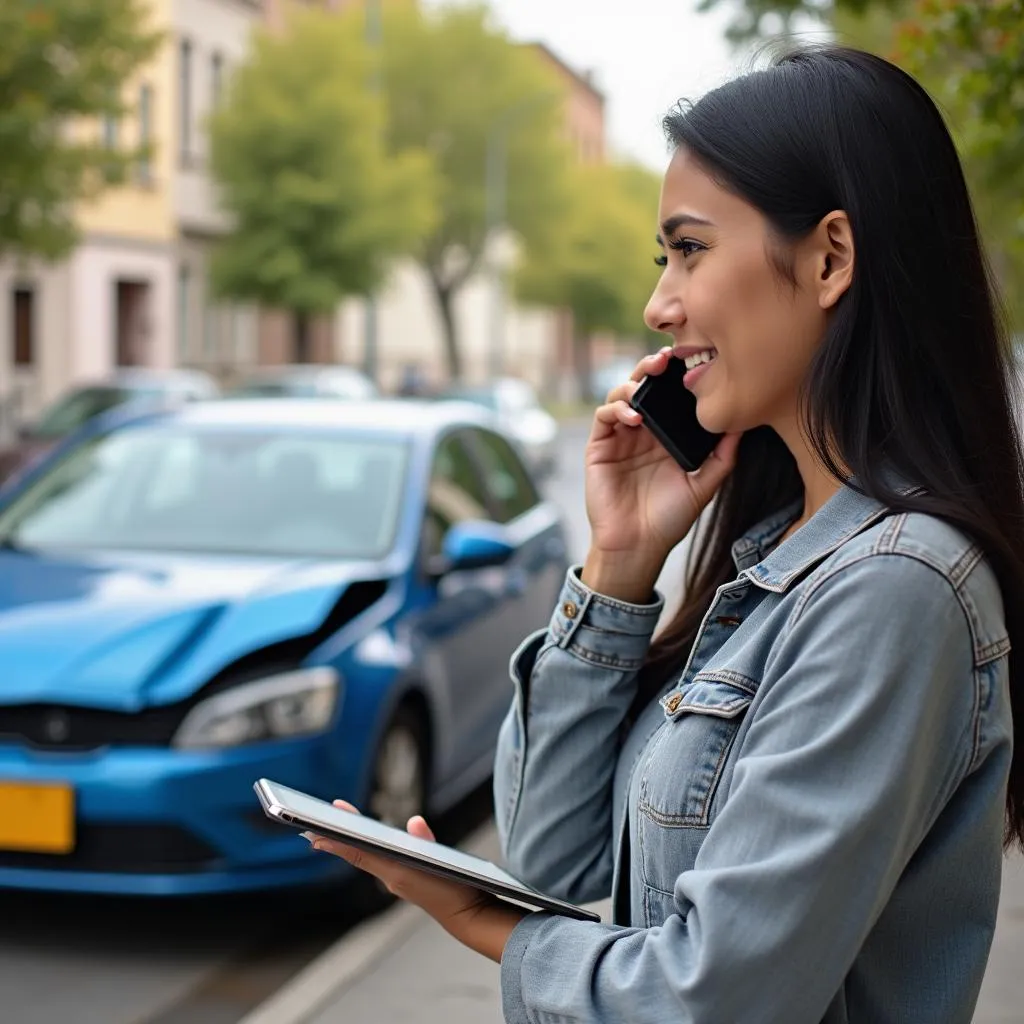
(969, 54)
(464, 92)
(601, 267)
(318, 207)
(63, 66)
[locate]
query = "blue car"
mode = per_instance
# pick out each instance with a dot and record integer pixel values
(323, 594)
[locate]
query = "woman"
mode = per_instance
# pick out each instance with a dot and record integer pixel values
(797, 795)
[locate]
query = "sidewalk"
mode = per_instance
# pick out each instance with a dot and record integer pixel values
(403, 967)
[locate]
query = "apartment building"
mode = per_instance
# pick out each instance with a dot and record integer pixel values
(110, 303)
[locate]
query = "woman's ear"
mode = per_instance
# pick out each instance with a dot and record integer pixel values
(833, 258)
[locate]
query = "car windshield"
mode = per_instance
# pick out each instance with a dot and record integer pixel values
(76, 409)
(163, 488)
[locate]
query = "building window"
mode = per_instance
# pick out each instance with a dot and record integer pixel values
(184, 309)
(216, 79)
(185, 92)
(145, 133)
(23, 304)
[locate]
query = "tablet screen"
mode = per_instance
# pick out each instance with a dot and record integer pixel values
(311, 812)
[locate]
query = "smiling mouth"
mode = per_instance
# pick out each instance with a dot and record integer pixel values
(708, 355)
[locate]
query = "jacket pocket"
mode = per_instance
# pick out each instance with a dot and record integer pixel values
(682, 771)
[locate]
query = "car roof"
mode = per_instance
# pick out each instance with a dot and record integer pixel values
(404, 417)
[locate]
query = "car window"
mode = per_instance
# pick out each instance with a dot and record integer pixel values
(74, 410)
(456, 493)
(508, 484)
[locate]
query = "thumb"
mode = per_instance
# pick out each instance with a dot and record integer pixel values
(716, 467)
(418, 827)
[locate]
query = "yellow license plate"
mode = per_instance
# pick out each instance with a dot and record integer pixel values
(37, 817)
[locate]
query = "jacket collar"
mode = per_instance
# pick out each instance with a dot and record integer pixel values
(775, 568)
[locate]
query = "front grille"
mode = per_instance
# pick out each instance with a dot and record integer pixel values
(64, 727)
(151, 849)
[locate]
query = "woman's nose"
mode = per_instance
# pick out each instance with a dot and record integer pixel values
(664, 312)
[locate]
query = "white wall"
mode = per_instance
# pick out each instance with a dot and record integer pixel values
(409, 331)
(220, 27)
(95, 267)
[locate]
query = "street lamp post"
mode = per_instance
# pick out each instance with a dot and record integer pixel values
(374, 35)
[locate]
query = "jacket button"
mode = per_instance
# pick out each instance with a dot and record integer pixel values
(673, 702)
(570, 609)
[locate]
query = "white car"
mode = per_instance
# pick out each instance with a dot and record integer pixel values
(520, 415)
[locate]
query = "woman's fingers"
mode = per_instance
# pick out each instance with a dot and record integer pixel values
(654, 363)
(418, 827)
(346, 806)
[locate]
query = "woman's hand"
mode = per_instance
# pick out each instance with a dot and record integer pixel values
(640, 502)
(476, 919)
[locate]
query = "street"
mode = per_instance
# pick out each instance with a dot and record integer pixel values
(216, 961)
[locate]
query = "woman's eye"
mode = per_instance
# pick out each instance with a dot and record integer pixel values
(687, 246)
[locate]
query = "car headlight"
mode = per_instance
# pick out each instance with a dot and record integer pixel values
(281, 706)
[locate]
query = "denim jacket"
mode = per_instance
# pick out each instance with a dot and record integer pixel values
(806, 827)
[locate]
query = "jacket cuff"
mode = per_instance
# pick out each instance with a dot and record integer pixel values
(513, 1006)
(602, 630)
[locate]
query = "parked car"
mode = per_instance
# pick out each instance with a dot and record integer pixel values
(325, 594)
(306, 380)
(519, 412)
(79, 405)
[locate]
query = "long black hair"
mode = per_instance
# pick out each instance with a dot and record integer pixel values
(914, 371)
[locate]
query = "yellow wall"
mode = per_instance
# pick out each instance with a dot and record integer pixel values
(145, 211)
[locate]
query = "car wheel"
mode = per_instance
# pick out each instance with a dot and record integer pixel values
(398, 791)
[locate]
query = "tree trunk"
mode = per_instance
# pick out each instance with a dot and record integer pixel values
(581, 360)
(301, 342)
(445, 297)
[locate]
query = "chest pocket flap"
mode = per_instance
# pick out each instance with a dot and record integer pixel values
(687, 754)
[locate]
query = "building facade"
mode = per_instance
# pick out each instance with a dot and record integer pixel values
(135, 291)
(111, 302)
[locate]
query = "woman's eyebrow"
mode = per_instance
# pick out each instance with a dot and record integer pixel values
(672, 224)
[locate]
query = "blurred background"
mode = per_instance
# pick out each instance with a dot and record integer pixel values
(304, 307)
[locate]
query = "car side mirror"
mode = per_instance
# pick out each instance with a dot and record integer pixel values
(473, 544)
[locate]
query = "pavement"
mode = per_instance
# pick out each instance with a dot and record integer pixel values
(401, 967)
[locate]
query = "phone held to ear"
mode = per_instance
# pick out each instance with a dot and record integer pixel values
(669, 412)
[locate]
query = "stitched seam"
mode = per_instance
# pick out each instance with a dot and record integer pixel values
(976, 738)
(727, 710)
(993, 651)
(690, 820)
(887, 538)
(967, 561)
(605, 660)
(730, 677)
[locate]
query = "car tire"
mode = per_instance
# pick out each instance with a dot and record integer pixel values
(398, 791)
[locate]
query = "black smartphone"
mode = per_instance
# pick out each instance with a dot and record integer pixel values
(669, 412)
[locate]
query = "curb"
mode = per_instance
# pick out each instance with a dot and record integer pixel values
(351, 957)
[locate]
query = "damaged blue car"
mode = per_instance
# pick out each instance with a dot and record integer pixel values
(326, 594)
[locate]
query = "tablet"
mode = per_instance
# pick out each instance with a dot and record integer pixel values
(305, 812)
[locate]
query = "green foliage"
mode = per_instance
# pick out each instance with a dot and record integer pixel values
(455, 86)
(63, 64)
(298, 150)
(601, 266)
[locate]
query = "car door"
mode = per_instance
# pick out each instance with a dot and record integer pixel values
(523, 590)
(452, 623)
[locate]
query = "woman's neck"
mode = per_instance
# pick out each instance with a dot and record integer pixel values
(819, 484)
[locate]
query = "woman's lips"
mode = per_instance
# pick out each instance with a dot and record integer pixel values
(691, 377)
